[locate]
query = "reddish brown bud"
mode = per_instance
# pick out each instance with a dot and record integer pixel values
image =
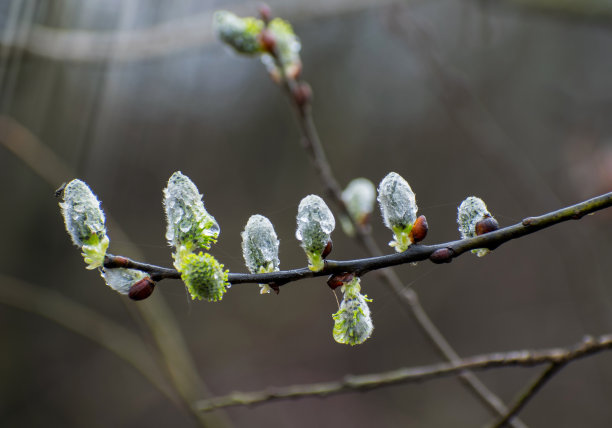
(338, 280)
(267, 40)
(293, 71)
(419, 230)
(142, 289)
(442, 255)
(486, 225)
(328, 249)
(302, 94)
(265, 13)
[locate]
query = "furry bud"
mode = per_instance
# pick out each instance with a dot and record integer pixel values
(315, 223)
(470, 213)
(353, 321)
(260, 247)
(242, 34)
(189, 224)
(398, 207)
(85, 222)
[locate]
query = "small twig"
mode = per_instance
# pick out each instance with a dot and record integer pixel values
(555, 357)
(530, 392)
(439, 253)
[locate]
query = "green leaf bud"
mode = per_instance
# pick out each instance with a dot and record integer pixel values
(315, 223)
(242, 34)
(121, 279)
(260, 247)
(398, 207)
(85, 222)
(204, 276)
(189, 224)
(472, 211)
(353, 321)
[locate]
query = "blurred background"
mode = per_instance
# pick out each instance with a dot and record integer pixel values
(508, 100)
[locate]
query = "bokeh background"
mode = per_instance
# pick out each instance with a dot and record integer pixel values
(508, 100)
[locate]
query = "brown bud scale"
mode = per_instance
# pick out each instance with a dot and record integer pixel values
(141, 289)
(328, 249)
(338, 280)
(419, 230)
(267, 40)
(486, 225)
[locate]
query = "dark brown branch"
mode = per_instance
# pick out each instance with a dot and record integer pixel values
(440, 253)
(555, 357)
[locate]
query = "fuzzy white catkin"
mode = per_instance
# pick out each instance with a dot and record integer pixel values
(188, 222)
(397, 202)
(359, 197)
(82, 214)
(260, 245)
(315, 223)
(471, 211)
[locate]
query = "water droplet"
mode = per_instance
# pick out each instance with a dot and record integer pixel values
(185, 226)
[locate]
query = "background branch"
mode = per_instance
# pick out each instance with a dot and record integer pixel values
(555, 357)
(530, 392)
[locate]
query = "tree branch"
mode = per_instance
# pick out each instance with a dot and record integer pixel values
(530, 392)
(556, 357)
(439, 253)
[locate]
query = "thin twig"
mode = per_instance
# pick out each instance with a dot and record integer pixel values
(530, 392)
(556, 357)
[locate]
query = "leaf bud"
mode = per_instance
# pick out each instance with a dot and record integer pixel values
(85, 222)
(315, 222)
(419, 230)
(265, 13)
(260, 247)
(486, 225)
(142, 289)
(189, 224)
(353, 321)
(442, 255)
(398, 207)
